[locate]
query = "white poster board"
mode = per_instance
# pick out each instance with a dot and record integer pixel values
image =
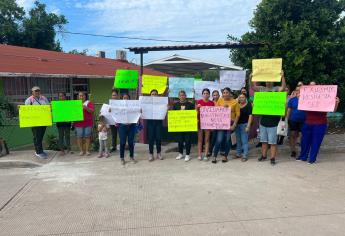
(106, 112)
(153, 108)
(234, 79)
(200, 85)
(125, 111)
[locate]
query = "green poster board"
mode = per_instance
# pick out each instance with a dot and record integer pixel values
(66, 111)
(126, 79)
(269, 103)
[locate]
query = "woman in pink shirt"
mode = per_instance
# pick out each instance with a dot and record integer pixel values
(203, 102)
(84, 128)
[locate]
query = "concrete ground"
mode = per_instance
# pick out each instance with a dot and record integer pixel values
(74, 195)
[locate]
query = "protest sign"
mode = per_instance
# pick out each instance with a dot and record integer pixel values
(153, 108)
(233, 79)
(35, 115)
(126, 79)
(269, 103)
(106, 112)
(182, 121)
(150, 82)
(200, 85)
(177, 84)
(317, 98)
(212, 117)
(267, 70)
(65, 111)
(125, 111)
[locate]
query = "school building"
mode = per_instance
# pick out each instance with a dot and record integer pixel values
(22, 68)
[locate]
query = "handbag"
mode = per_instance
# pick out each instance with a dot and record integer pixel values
(282, 128)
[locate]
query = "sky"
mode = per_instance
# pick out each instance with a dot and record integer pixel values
(190, 20)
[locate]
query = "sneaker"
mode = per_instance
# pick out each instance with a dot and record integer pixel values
(37, 155)
(100, 155)
(311, 162)
(44, 153)
(300, 159)
(262, 158)
(123, 161)
(205, 158)
(187, 158)
(133, 160)
(199, 158)
(42, 156)
(159, 156)
(244, 159)
(273, 161)
(293, 154)
(151, 158)
(179, 157)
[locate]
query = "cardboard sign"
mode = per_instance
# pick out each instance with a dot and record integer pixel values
(125, 111)
(200, 85)
(182, 121)
(317, 98)
(126, 79)
(35, 115)
(269, 103)
(177, 84)
(66, 111)
(106, 112)
(215, 117)
(233, 79)
(153, 108)
(267, 70)
(150, 82)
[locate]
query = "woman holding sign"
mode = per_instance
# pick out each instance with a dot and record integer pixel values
(154, 130)
(84, 128)
(127, 131)
(113, 128)
(244, 123)
(64, 131)
(313, 132)
(38, 132)
(227, 100)
(184, 138)
(213, 135)
(203, 102)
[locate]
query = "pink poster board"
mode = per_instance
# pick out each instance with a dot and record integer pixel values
(215, 118)
(317, 98)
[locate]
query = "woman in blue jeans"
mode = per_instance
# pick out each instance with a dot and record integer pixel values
(243, 127)
(127, 132)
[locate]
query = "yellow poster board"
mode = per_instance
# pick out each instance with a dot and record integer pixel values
(150, 82)
(35, 115)
(267, 70)
(182, 121)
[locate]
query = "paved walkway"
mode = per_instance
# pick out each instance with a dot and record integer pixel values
(73, 195)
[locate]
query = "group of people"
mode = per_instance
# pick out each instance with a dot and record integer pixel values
(311, 125)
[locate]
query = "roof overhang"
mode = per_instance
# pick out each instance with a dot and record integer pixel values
(38, 75)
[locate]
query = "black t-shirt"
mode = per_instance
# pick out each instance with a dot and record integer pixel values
(63, 124)
(184, 106)
(246, 111)
(269, 121)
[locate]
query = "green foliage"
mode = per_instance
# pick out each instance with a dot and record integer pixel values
(35, 30)
(52, 142)
(308, 35)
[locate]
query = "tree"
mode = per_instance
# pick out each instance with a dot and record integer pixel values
(39, 29)
(10, 16)
(75, 51)
(308, 35)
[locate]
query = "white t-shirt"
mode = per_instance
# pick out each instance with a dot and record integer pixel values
(103, 134)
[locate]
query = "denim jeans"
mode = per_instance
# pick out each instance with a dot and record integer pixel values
(127, 132)
(221, 136)
(64, 137)
(242, 140)
(154, 132)
(38, 134)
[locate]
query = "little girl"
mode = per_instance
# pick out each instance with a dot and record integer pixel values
(103, 137)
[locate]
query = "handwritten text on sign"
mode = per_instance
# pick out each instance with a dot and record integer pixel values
(176, 84)
(215, 118)
(269, 103)
(126, 79)
(267, 70)
(232, 79)
(150, 82)
(317, 98)
(182, 121)
(35, 115)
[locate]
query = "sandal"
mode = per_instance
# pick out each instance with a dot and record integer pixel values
(225, 159)
(214, 161)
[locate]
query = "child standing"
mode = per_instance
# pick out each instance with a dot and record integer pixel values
(103, 137)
